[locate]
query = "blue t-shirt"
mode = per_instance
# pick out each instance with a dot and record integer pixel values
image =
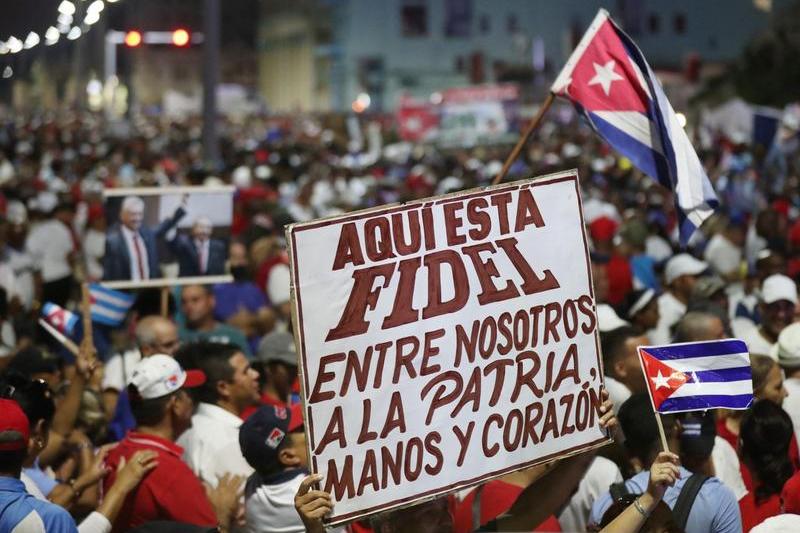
(715, 509)
(18, 508)
(231, 297)
(45, 483)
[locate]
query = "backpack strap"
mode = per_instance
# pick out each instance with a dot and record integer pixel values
(686, 499)
(618, 490)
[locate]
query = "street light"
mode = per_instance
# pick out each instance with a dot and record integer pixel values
(133, 39)
(180, 37)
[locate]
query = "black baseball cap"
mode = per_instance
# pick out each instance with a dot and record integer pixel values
(261, 435)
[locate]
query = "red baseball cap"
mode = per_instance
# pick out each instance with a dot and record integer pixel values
(603, 229)
(13, 419)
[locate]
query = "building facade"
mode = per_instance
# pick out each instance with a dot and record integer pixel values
(322, 54)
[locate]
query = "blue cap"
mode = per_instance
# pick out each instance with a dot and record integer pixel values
(261, 435)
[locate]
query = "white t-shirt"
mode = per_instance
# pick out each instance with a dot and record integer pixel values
(598, 478)
(726, 467)
(617, 392)
(50, 244)
(119, 368)
(756, 343)
(94, 248)
(23, 266)
(278, 284)
(270, 508)
(211, 445)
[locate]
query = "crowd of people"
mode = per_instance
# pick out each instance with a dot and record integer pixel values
(187, 417)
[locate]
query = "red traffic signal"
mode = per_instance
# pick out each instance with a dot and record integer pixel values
(133, 38)
(180, 37)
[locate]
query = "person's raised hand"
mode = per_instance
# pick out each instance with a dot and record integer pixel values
(312, 505)
(664, 472)
(130, 473)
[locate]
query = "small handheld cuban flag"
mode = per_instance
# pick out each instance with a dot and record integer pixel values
(610, 84)
(695, 376)
(109, 307)
(58, 317)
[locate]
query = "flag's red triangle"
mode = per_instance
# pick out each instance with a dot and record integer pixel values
(662, 379)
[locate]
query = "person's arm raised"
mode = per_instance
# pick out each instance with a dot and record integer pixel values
(547, 495)
(664, 472)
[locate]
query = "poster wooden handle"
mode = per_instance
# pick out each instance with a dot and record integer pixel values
(661, 431)
(165, 302)
(534, 123)
(87, 343)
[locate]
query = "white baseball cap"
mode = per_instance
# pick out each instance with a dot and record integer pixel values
(682, 265)
(778, 287)
(787, 349)
(160, 375)
(607, 319)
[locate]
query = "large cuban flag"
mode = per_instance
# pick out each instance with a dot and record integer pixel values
(613, 87)
(695, 376)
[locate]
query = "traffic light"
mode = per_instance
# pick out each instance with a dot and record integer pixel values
(180, 37)
(133, 39)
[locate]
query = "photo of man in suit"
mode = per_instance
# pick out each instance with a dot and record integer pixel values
(198, 254)
(131, 248)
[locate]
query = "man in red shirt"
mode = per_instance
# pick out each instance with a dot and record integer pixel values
(163, 411)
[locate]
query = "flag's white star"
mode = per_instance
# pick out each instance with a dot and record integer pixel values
(605, 75)
(660, 381)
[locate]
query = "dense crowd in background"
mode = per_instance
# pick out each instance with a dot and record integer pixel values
(163, 425)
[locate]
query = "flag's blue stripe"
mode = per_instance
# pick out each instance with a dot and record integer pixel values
(101, 319)
(705, 349)
(698, 403)
(111, 292)
(111, 307)
(723, 374)
(642, 156)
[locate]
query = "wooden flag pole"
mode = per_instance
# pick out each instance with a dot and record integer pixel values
(661, 431)
(57, 335)
(87, 343)
(165, 302)
(524, 139)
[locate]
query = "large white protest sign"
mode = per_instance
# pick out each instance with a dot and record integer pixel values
(445, 341)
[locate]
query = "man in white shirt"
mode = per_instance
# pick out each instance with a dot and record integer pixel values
(53, 246)
(777, 309)
(680, 275)
(211, 445)
(788, 354)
